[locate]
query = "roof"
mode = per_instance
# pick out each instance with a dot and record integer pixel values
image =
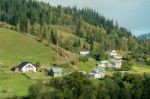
(115, 60)
(85, 50)
(118, 57)
(22, 64)
(57, 69)
(113, 51)
(98, 70)
(104, 61)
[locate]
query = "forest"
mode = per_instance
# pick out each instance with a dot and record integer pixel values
(78, 86)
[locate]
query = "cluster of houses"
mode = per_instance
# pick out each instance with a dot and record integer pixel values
(115, 62)
(97, 72)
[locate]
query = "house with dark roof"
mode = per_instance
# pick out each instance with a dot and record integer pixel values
(25, 67)
(114, 63)
(56, 71)
(97, 72)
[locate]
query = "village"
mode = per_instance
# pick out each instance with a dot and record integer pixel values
(99, 71)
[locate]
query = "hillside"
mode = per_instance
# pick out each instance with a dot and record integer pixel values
(39, 19)
(16, 47)
(62, 28)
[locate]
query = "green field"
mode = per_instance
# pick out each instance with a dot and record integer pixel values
(140, 69)
(87, 66)
(16, 47)
(136, 69)
(17, 83)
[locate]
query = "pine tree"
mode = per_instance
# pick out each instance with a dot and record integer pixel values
(92, 44)
(54, 38)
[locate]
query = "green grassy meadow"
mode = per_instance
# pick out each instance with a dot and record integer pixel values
(16, 47)
(140, 69)
(16, 82)
(87, 66)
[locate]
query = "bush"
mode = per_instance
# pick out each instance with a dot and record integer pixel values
(126, 66)
(84, 59)
(148, 61)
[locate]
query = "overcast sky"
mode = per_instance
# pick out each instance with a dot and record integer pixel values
(132, 14)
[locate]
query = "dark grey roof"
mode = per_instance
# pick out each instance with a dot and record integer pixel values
(22, 64)
(98, 70)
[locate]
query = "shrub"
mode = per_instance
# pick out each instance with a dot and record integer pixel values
(84, 58)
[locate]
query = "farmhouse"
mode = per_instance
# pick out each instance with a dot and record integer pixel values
(97, 73)
(115, 63)
(103, 63)
(56, 71)
(112, 53)
(84, 52)
(25, 67)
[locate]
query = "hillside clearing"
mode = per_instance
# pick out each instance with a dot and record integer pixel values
(16, 47)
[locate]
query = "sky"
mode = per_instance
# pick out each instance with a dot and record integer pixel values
(131, 14)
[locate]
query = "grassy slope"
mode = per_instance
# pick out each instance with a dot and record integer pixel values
(16, 47)
(140, 69)
(16, 82)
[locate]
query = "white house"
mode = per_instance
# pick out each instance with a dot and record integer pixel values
(103, 63)
(97, 73)
(26, 67)
(84, 52)
(112, 53)
(115, 63)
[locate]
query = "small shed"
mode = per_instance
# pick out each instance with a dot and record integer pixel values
(56, 71)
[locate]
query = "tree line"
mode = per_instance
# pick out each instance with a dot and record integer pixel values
(78, 86)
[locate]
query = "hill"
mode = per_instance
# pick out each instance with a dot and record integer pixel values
(145, 36)
(39, 18)
(16, 47)
(65, 28)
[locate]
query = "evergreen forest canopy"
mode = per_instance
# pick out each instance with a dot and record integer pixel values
(38, 18)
